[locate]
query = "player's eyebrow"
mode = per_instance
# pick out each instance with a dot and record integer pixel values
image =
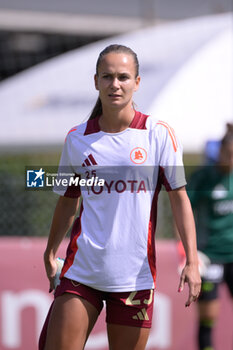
(119, 73)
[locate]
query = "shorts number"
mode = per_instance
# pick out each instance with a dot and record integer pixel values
(149, 301)
(131, 301)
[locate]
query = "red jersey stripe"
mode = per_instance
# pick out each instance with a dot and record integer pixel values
(73, 191)
(73, 246)
(151, 233)
(153, 220)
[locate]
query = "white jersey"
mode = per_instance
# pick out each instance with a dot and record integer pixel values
(112, 245)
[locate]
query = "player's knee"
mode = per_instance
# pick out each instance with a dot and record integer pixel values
(208, 311)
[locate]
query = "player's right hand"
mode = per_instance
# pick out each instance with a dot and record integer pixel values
(51, 269)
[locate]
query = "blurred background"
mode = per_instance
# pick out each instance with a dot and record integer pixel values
(48, 51)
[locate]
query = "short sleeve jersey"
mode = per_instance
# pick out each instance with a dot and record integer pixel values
(112, 246)
(211, 194)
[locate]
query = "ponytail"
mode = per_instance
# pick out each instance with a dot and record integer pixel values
(97, 110)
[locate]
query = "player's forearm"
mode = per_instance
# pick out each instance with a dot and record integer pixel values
(183, 215)
(62, 220)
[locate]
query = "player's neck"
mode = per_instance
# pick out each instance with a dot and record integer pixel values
(116, 120)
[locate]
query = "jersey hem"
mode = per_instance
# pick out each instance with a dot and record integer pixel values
(114, 289)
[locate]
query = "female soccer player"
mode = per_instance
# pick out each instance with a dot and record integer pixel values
(111, 255)
(211, 194)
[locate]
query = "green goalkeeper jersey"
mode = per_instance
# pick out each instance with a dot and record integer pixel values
(210, 190)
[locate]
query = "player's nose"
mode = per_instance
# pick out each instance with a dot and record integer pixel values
(115, 83)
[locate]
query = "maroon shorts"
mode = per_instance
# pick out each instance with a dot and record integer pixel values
(124, 308)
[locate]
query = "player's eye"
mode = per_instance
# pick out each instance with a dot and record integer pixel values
(123, 77)
(107, 76)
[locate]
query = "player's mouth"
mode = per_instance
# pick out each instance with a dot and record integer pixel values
(114, 95)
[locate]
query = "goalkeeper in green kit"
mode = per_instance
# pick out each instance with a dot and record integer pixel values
(210, 190)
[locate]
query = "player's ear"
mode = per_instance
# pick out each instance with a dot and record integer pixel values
(137, 82)
(96, 82)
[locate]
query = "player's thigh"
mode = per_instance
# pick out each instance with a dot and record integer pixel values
(122, 337)
(129, 319)
(70, 323)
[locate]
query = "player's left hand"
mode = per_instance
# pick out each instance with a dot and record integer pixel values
(190, 275)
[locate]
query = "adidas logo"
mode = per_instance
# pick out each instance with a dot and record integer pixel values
(141, 315)
(90, 160)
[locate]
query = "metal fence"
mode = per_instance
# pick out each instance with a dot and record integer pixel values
(23, 212)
